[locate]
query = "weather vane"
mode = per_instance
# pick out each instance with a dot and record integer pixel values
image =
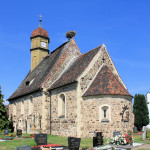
(40, 16)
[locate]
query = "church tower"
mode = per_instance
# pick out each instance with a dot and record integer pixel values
(39, 45)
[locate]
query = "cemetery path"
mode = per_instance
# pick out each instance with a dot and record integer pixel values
(144, 146)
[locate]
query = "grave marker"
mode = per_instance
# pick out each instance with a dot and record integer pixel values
(6, 132)
(25, 147)
(19, 132)
(98, 140)
(40, 139)
(28, 127)
(33, 128)
(115, 133)
(74, 143)
(144, 133)
(135, 129)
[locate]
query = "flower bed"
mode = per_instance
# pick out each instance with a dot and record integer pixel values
(140, 133)
(32, 136)
(121, 140)
(46, 146)
(7, 138)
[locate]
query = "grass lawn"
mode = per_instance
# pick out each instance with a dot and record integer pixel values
(138, 139)
(52, 139)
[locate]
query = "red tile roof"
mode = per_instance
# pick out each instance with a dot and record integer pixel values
(39, 32)
(38, 74)
(106, 83)
(76, 69)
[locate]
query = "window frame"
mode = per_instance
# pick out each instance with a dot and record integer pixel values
(62, 105)
(105, 113)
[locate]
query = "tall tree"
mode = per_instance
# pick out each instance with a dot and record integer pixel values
(4, 122)
(140, 111)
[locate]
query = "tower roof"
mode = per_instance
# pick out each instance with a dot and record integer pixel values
(39, 32)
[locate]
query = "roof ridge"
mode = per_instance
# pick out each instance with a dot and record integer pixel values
(59, 47)
(73, 73)
(92, 50)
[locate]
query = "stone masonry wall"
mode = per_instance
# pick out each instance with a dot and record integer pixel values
(20, 118)
(91, 115)
(66, 126)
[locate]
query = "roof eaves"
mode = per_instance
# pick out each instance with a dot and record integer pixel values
(62, 85)
(25, 94)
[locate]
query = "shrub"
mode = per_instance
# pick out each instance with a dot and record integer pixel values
(140, 111)
(148, 134)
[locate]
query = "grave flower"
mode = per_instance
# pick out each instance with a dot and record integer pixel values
(121, 140)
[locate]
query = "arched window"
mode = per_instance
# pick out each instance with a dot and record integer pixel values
(30, 105)
(14, 109)
(22, 107)
(104, 113)
(62, 106)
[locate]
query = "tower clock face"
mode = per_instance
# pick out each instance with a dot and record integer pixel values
(43, 44)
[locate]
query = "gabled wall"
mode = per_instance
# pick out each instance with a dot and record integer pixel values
(90, 113)
(68, 55)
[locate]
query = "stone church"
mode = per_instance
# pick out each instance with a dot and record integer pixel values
(67, 93)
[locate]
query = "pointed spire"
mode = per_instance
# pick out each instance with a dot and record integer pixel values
(40, 16)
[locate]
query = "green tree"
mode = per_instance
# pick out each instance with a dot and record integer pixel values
(140, 111)
(4, 122)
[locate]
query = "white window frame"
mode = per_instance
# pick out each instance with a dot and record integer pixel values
(102, 109)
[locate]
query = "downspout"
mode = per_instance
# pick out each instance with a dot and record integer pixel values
(50, 113)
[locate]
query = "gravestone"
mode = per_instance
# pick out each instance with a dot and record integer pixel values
(38, 123)
(24, 126)
(6, 132)
(98, 139)
(15, 125)
(19, 132)
(135, 129)
(28, 128)
(116, 133)
(40, 139)
(74, 143)
(144, 133)
(25, 147)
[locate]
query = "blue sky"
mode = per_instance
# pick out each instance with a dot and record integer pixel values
(122, 25)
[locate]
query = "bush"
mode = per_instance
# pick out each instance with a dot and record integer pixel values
(148, 134)
(140, 111)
